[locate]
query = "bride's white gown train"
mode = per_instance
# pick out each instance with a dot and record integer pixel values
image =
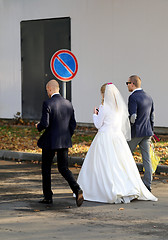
(109, 173)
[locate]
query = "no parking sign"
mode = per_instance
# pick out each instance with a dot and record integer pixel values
(64, 65)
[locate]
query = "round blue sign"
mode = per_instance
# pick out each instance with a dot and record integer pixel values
(64, 65)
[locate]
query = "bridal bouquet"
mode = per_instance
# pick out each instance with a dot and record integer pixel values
(154, 158)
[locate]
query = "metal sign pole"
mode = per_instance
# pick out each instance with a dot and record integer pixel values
(64, 89)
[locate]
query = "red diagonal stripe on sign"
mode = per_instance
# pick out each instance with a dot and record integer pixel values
(65, 65)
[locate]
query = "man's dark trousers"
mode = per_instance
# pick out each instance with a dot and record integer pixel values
(62, 161)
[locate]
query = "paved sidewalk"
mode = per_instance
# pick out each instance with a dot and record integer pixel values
(22, 217)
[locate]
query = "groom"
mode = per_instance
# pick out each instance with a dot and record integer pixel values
(141, 111)
(59, 123)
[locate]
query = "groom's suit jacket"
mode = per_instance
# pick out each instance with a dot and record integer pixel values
(141, 104)
(59, 123)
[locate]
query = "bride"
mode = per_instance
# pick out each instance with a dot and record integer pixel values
(109, 173)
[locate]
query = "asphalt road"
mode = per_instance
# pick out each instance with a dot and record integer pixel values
(22, 217)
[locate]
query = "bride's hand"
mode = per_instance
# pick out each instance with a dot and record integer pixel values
(96, 110)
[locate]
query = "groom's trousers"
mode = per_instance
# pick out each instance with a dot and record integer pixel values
(144, 145)
(62, 162)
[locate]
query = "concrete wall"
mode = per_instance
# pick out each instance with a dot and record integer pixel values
(112, 39)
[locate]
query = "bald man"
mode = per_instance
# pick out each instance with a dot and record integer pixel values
(59, 123)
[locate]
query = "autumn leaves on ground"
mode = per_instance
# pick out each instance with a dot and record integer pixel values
(23, 137)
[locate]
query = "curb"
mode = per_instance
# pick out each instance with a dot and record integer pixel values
(22, 156)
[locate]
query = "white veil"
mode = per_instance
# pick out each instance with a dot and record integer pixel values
(114, 100)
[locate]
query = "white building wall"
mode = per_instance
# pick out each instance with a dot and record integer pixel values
(112, 39)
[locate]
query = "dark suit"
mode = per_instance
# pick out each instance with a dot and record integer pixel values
(59, 123)
(141, 104)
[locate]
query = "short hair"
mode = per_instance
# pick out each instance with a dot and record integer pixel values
(135, 80)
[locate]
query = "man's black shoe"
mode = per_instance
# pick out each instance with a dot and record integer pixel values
(46, 201)
(79, 198)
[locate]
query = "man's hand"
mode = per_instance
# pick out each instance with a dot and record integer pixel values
(36, 124)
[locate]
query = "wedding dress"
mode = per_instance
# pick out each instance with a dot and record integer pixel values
(109, 173)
